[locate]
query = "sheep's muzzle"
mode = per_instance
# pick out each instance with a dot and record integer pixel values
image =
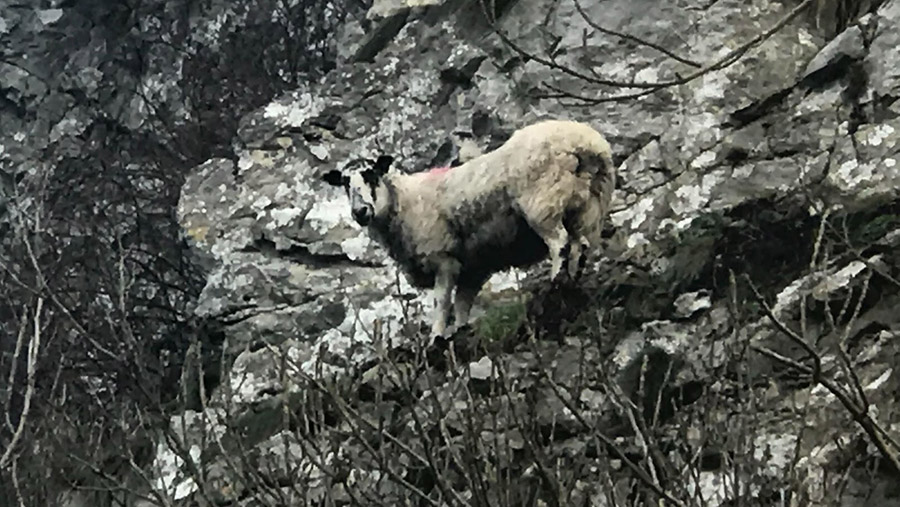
(362, 215)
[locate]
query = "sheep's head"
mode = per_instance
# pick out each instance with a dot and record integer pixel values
(365, 187)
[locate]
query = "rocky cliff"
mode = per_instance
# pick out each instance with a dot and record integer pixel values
(735, 344)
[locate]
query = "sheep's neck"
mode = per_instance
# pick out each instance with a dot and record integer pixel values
(386, 216)
(390, 232)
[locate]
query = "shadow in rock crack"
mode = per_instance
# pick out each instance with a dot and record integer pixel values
(303, 255)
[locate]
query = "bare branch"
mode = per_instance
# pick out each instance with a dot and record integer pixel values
(562, 68)
(877, 435)
(641, 474)
(34, 345)
(790, 333)
(729, 59)
(593, 24)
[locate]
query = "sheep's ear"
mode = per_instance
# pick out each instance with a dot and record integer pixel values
(381, 166)
(335, 178)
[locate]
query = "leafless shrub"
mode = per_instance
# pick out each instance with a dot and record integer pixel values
(96, 281)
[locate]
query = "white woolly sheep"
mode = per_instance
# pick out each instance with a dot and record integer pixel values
(546, 190)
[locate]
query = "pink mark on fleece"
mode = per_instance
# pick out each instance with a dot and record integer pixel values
(436, 172)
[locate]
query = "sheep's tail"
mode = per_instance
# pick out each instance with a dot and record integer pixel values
(595, 160)
(599, 165)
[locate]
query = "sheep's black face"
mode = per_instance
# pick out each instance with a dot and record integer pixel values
(365, 188)
(362, 199)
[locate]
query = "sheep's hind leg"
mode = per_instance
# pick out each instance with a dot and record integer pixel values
(579, 230)
(557, 239)
(577, 257)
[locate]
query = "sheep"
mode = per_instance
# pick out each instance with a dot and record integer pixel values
(545, 191)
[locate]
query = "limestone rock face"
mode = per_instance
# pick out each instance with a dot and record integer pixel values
(731, 172)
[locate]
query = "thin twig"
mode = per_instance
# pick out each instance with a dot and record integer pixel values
(842, 346)
(877, 434)
(34, 345)
(790, 333)
(729, 59)
(355, 419)
(642, 474)
(562, 68)
(771, 354)
(593, 24)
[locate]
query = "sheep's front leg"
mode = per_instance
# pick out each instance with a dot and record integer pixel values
(465, 297)
(443, 291)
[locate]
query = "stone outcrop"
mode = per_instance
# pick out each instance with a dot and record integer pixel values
(731, 172)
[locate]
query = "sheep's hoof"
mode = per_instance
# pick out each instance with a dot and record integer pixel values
(560, 271)
(580, 264)
(571, 270)
(565, 274)
(556, 283)
(457, 329)
(444, 334)
(564, 278)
